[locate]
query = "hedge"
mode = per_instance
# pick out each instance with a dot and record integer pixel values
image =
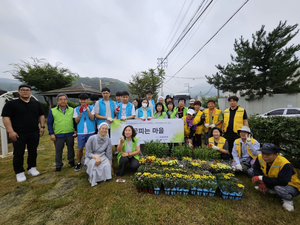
(282, 131)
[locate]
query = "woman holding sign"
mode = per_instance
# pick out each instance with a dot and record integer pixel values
(129, 150)
(98, 156)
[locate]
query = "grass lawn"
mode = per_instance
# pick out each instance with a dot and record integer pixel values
(68, 198)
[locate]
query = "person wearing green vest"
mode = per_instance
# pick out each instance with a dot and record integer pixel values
(181, 109)
(167, 100)
(275, 174)
(245, 150)
(160, 111)
(171, 111)
(62, 129)
(129, 150)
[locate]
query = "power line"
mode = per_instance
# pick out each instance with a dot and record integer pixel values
(209, 40)
(180, 24)
(173, 28)
(209, 90)
(183, 35)
(190, 37)
(193, 78)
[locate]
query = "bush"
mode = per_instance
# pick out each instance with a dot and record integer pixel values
(156, 148)
(46, 108)
(281, 131)
(182, 151)
(205, 153)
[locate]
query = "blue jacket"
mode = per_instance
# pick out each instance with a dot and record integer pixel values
(140, 112)
(128, 110)
(89, 123)
(102, 110)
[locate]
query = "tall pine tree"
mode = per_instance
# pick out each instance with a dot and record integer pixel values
(265, 66)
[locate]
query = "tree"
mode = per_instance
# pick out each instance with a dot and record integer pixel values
(146, 80)
(42, 76)
(266, 66)
(205, 99)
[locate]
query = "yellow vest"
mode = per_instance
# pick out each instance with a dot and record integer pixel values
(215, 118)
(221, 143)
(276, 167)
(187, 130)
(196, 120)
(238, 121)
(239, 148)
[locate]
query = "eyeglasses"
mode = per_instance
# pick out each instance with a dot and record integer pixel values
(25, 90)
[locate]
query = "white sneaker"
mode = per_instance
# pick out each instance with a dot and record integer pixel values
(116, 152)
(21, 177)
(288, 205)
(33, 171)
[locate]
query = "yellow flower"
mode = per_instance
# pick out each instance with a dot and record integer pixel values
(240, 186)
(230, 174)
(226, 177)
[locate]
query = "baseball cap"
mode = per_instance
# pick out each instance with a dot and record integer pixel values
(191, 112)
(269, 148)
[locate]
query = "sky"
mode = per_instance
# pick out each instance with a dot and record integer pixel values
(117, 39)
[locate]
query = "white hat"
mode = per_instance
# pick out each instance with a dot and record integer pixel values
(191, 112)
(192, 101)
(244, 128)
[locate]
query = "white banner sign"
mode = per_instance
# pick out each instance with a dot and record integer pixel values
(164, 130)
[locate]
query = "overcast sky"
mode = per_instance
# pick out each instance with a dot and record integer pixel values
(97, 38)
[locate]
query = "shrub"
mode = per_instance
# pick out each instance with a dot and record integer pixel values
(182, 151)
(281, 131)
(156, 148)
(205, 153)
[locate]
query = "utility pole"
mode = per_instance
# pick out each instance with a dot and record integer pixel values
(188, 86)
(161, 64)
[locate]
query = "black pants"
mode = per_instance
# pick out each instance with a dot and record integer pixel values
(231, 138)
(134, 164)
(32, 141)
(197, 142)
(59, 146)
(225, 156)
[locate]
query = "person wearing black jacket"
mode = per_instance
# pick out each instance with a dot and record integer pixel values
(276, 175)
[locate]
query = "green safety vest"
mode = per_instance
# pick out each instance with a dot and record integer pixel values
(63, 123)
(133, 149)
(162, 116)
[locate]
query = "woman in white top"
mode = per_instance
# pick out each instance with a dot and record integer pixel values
(129, 150)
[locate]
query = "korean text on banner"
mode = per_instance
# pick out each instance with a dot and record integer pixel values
(164, 130)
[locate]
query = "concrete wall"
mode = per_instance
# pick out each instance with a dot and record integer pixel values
(265, 104)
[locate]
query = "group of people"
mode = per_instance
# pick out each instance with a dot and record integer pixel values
(227, 133)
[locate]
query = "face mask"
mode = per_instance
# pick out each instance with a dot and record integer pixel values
(144, 105)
